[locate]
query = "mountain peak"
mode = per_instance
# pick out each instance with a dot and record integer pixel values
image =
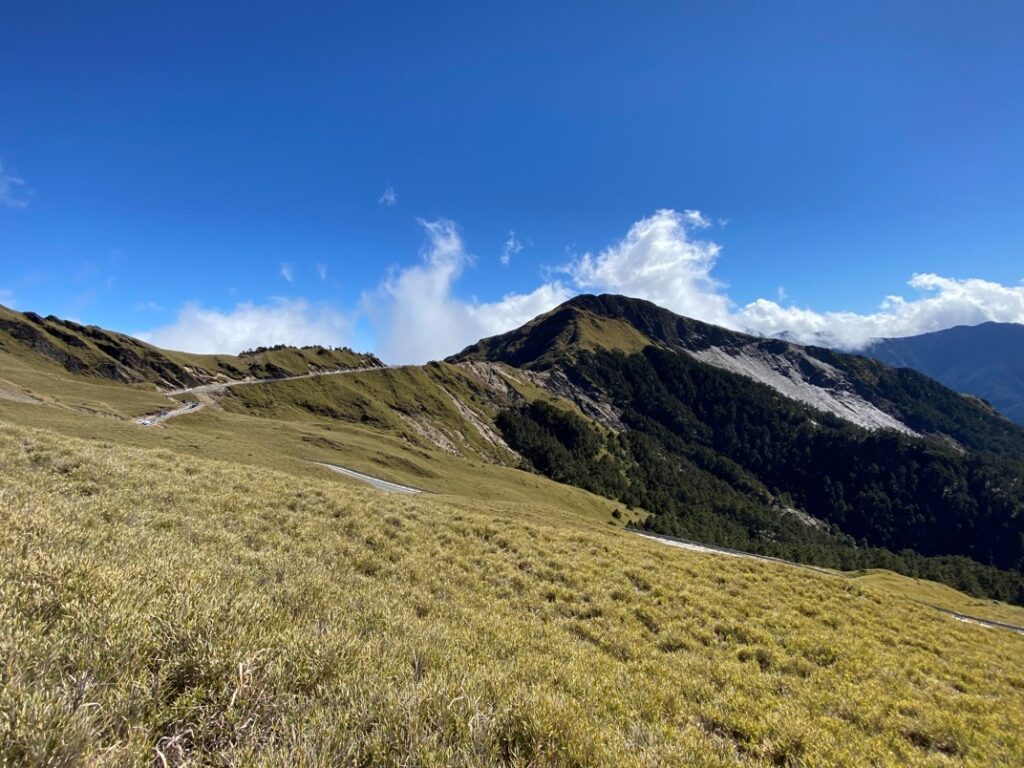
(589, 322)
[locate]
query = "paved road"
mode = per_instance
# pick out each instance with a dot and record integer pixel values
(157, 418)
(376, 482)
(673, 541)
(222, 385)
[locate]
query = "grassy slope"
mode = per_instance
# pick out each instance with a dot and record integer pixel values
(407, 401)
(555, 336)
(227, 614)
(28, 376)
(931, 593)
(294, 442)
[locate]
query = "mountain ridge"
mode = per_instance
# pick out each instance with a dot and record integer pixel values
(711, 448)
(985, 360)
(93, 351)
(856, 388)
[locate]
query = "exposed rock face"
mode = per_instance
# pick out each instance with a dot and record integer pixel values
(591, 402)
(790, 371)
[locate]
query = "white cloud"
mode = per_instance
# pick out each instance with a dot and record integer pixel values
(511, 247)
(10, 186)
(388, 197)
(287, 272)
(7, 298)
(417, 318)
(415, 314)
(943, 302)
(660, 260)
(321, 270)
(250, 325)
(696, 219)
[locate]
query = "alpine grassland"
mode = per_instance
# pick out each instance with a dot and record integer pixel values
(169, 610)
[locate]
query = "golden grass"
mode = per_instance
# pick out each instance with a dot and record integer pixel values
(52, 385)
(415, 402)
(932, 593)
(158, 609)
(293, 446)
(595, 332)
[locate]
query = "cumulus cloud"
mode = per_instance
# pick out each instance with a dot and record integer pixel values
(11, 190)
(7, 298)
(417, 317)
(388, 197)
(659, 259)
(511, 247)
(287, 272)
(248, 325)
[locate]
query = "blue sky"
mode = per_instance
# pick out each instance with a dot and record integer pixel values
(214, 175)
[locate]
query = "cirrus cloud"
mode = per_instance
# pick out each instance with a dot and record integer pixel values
(511, 247)
(10, 190)
(388, 197)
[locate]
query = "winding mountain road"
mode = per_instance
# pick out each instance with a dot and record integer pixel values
(156, 418)
(219, 386)
(194, 405)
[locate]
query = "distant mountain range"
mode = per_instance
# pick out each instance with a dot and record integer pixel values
(984, 360)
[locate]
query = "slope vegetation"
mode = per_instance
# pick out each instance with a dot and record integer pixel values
(164, 610)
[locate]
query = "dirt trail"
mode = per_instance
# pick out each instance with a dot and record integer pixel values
(156, 418)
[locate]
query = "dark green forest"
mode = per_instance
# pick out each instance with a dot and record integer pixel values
(719, 458)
